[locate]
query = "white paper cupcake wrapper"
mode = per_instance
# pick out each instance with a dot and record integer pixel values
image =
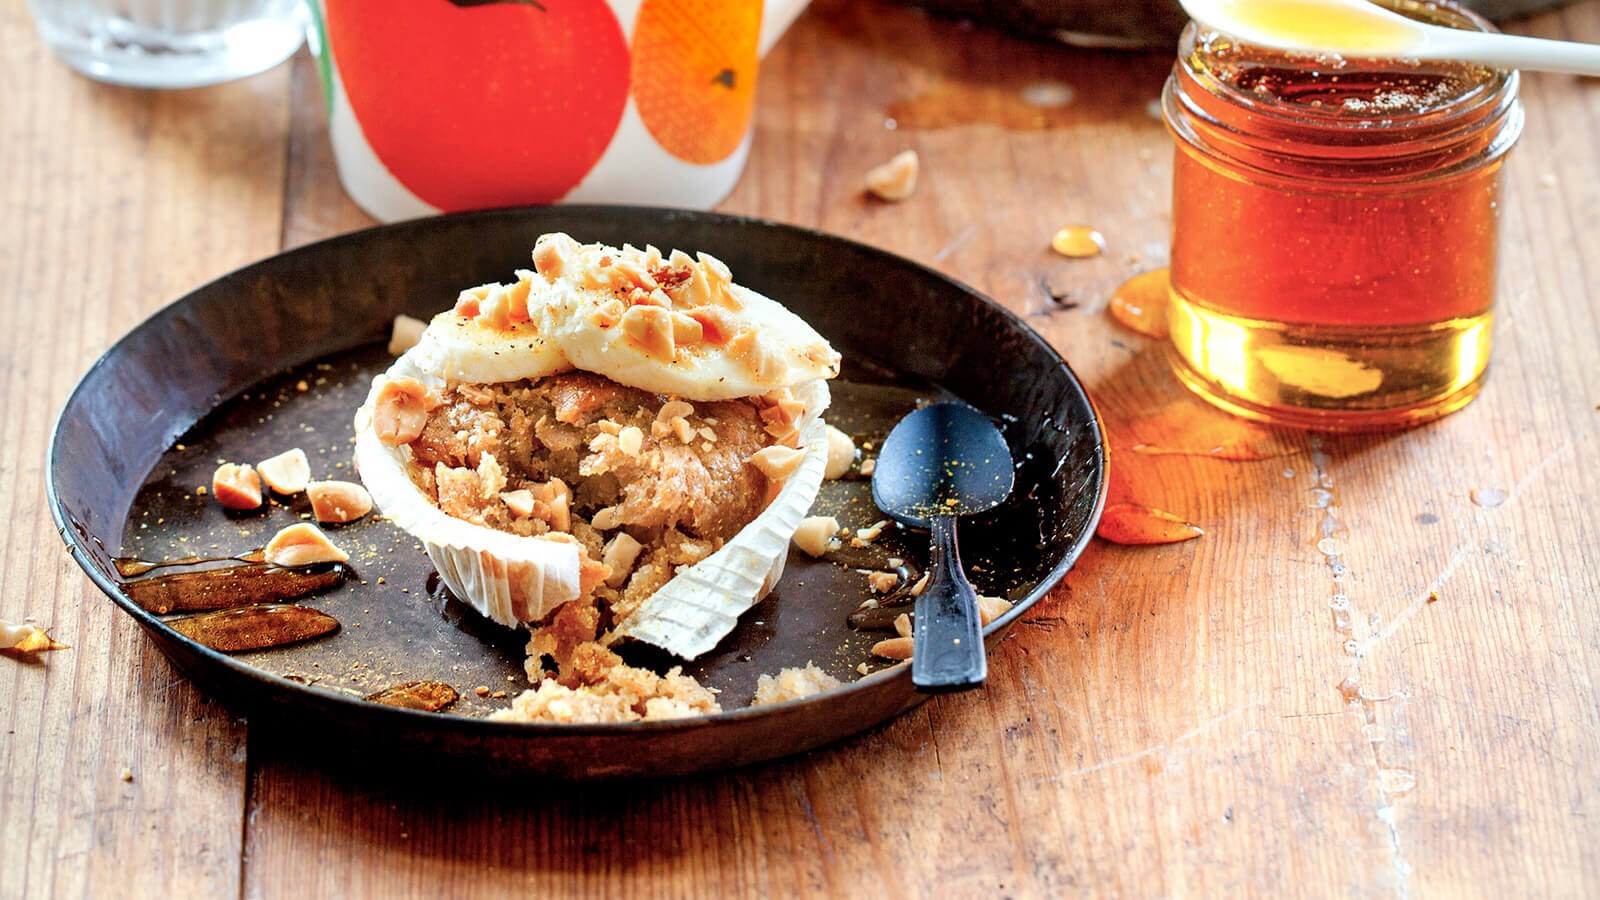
(698, 607)
(507, 577)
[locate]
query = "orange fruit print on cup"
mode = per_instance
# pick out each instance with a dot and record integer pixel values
(454, 94)
(694, 74)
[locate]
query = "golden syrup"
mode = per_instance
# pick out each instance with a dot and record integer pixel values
(1130, 523)
(1335, 230)
(1140, 304)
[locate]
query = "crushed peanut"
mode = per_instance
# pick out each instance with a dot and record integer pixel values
(606, 519)
(302, 544)
(871, 532)
(404, 334)
(895, 179)
(882, 582)
(286, 473)
(991, 608)
(338, 502)
(778, 462)
(27, 638)
(520, 503)
(552, 502)
(401, 411)
(620, 555)
(630, 440)
(902, 625)
(814, 536)
(893, 648)
(236, 486)
(651, 328)
(841, 453)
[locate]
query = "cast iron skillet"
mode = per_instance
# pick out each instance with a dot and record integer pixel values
(196, 382)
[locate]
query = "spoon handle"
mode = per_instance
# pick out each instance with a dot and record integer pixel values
(947, 640)
(1514, 51)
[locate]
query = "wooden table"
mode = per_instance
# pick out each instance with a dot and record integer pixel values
(1192, 719)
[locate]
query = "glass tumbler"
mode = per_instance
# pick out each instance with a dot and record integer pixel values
(170, 43)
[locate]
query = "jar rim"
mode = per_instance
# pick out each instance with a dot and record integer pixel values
(1493, 87)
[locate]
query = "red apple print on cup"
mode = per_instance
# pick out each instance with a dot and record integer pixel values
(453, 95)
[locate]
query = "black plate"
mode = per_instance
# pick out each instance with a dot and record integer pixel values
(278, 353)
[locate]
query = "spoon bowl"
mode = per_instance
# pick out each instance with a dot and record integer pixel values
(943, 461)
(1360, 28)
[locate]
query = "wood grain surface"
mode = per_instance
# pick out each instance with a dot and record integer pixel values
(1367, 678)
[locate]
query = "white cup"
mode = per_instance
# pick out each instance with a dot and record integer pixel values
(473, 104)
(170, 43)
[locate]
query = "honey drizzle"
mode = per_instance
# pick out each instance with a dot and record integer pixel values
(1140, 304)
(255, 627)
(1131, 523)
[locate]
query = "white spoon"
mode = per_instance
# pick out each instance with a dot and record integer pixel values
(1361, 28)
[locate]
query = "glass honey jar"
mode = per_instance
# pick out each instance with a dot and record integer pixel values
(1335, 228)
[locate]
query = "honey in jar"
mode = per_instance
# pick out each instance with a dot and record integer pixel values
(1335, 228)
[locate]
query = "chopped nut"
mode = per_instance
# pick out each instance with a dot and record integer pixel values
(468, 301)
(620, 554)
(302, 544)
(778, 463)
(236, 486)
(902, 625)
(686, 329)
(27, 638)
(815, 534)
(606, 519)
(862, 668)
(481, 690)
(126, 774)
(674, 409)
(841, 453)
(401, 410)
(286, 473)
(552, 502)
(682, 428)
(868, 466)
(882, 582)
(991, 608)
(895, 179)
(717, 326)
(921, 585)
(551, 252)
(520, 503)
(338, 501)
(476, 395)
(404, 334)
(651, 328)
(630, 440)
(871, 532)
(893, 648)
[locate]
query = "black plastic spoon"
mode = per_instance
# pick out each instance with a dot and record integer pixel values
(942, 461)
